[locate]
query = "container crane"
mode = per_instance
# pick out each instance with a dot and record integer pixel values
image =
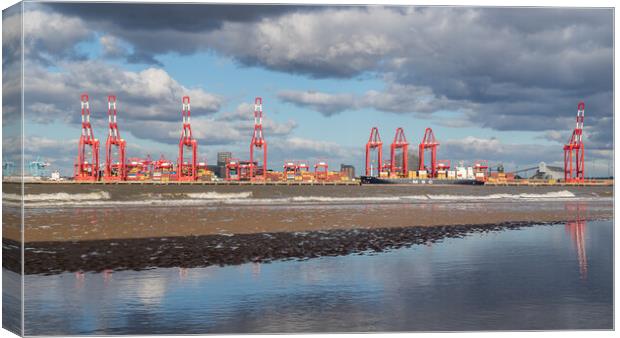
(187, 167)
(232, 169)
(88, 146)
(258, 141)
(321, 170)
(115, 168)
(428, 142)
(574, 165)
(374, 142)
(400, 142)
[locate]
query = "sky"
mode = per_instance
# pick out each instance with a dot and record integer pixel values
(499, 84)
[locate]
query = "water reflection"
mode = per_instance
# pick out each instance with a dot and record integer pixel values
(474, 283)
(576, 229)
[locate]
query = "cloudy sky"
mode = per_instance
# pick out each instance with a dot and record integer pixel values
(494, 83)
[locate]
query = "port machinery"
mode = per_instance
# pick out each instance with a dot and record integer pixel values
(374, 143)
(186, 167)
(84, 169)
(258, 142)
(399, 168)
(115, 163)
(321, 170)
(289, 169)
(232, 169)
(429, 142)
(400, 142)
(482, 167)
(393, 166)
(574, 150)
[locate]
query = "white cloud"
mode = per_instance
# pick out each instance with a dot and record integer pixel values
(326, 103)
(151, 94)
(396, 98)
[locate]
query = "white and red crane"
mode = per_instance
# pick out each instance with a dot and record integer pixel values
(574, 150)
(115, 162)
(88, 146)
(186, 167)
(258, 142)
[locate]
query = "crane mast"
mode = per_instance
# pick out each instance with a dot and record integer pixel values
(88, 146)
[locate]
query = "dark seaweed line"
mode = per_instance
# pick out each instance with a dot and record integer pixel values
(200, 251)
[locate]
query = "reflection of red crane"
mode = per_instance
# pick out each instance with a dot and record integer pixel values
(400, 142)
(115, 170)
(187, 169)
(85, 170)
(258, 141)
(575, 144)
(428, 142)
(576, 228)
(374, 142)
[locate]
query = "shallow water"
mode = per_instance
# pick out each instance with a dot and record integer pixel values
(543, 277)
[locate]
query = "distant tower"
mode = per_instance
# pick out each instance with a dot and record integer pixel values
(258, 141)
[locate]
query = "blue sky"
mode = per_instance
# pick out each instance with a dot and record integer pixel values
(324, 79)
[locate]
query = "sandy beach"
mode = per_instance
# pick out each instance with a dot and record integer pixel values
(139, 227)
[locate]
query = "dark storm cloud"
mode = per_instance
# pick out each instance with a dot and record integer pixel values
(178, 17)
(502, 68)
(154, 29)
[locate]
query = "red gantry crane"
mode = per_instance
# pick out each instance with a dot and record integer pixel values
(321, 170)
(374, 142)
(258, 141)
(88, 145)
(574, 172)
(232, 169)
(428, 142)
(187, 167)
(115, 164)
(400, 142)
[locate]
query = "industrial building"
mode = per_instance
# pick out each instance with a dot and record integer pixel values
(348, 170)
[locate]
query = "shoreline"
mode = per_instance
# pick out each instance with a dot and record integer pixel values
(51, 258)
(129, 192)
(83, 224)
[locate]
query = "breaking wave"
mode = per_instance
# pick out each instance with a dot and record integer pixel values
(103, 199)
(211, 195)
(59, 196)
(546, 196)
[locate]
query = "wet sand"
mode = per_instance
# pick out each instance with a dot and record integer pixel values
(80, 224)
(269, 224)
(201, 251)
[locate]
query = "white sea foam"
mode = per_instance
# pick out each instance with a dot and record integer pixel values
(344, 199)
(211, 195)
(564, 194)
(102, 199)
(59, 196)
